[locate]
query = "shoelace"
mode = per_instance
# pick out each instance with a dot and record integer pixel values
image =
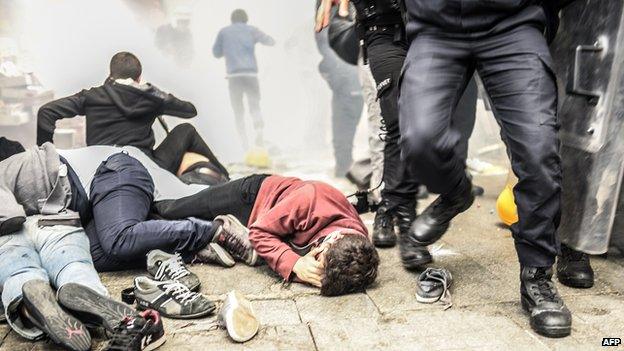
(441, 276)
(235, 244)
(174, 266)
(545, 287)
(123, 336)
(180, 292)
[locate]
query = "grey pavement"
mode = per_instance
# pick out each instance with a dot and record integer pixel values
(486, 314)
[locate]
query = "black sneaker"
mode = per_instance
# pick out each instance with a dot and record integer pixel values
(383, 228)
(574, 268)
(171, 299)
(549, 315)
(433, 285)
(44, 312)
(435, 220)
(163, 267)
(92, 308)
(142, 333)
(234, 238)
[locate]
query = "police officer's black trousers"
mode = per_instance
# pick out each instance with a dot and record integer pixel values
(386, 55)
(515, 67)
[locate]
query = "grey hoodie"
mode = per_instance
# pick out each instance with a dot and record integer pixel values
(32, 182)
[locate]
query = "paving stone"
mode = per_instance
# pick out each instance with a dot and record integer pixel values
(349, 334)
(327, 309)
(291, 337)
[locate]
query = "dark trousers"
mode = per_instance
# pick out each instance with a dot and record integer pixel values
(120, 232)
(245, 87)
(386, 55)
(180, 140)
(236, 197)
(515, 68)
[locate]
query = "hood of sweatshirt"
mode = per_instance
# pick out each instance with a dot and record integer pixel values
(131, 100)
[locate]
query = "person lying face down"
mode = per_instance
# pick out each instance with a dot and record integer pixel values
(305, 230)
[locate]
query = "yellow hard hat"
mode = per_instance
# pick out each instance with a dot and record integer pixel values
(506, 206)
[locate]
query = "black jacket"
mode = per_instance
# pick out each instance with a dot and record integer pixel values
(474, 17)
(116, 114)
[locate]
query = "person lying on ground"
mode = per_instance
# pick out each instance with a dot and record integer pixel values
(122, 112)
(113, 193)
(305, 230)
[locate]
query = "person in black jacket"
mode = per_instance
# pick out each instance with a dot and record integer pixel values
(122, 111)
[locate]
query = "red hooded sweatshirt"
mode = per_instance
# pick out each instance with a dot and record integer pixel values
(291, 213)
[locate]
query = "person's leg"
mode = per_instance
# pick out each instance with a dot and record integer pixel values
(19, 263)
(121, 196)
(465, 116)
(252, 92)
(180, 140)
(236, 86)
(347, 105)
(516, 71)
(376, 144)
(236, 198)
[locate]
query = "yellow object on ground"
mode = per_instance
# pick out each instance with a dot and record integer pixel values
(258, 157)
(506, 206)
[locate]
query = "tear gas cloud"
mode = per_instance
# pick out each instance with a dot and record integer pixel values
(69, 44)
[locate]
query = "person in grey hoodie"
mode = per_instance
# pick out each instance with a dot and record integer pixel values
(237, 43)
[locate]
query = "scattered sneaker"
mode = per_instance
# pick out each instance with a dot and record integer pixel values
(574, 268)
(538, 294)
(433, 286)
(215, 254)
(164, 267)
(142, 333)
(238, 317)
(234, 238)
(92, 308)
(436, 218)
(44, 312)
(171, 299)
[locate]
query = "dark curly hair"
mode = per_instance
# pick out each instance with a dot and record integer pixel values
(350, 266)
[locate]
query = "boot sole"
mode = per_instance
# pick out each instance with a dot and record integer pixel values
(550, 332)
(384, 244)
(90, 306)
(413, 265)
(443, 227)
(62, 328)
(575, 283)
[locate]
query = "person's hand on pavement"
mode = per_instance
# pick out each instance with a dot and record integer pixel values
(308, 269)
(323, 15)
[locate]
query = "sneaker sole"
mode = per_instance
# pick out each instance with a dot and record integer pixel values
(156, 344)
(549, 332)
(427, 299)
(97, 309)
(62, 328)
(242, 324)
(224, 257)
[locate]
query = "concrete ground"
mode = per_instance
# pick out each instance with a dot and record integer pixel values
(486, 314)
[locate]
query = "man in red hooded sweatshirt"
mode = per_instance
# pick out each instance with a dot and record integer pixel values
(305, 230)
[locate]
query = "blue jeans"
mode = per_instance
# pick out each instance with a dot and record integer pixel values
(120, 233)
(58, 254)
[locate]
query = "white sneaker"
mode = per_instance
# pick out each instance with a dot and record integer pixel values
(239, 318)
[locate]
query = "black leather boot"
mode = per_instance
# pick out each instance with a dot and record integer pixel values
(574, 269)
(383, 228)
(435, 220)
(538, 294)
(413, 256)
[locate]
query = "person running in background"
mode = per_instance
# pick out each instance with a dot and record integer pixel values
(237, 43)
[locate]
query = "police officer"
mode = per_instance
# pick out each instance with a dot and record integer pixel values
(503, 41)
(381, 26)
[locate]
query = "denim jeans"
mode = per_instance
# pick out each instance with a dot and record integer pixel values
(58, 254)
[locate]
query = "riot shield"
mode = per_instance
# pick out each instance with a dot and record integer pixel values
(589, 56)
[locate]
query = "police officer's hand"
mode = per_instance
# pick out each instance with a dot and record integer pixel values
(323, 14)
(308, 269)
